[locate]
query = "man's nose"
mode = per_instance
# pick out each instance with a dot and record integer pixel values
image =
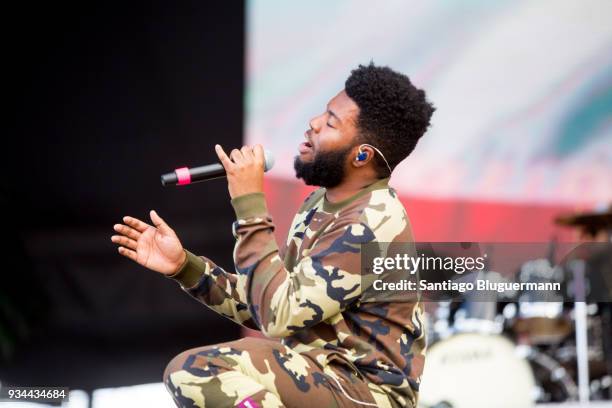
(315, 123)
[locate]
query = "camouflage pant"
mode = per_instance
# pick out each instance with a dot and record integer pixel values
(261, 373)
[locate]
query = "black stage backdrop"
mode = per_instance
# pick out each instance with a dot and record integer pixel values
(109, 96)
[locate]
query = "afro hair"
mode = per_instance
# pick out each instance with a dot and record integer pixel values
(393, 113)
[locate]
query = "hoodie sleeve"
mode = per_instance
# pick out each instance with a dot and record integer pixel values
(218, 289)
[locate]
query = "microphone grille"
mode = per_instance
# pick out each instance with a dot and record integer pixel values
(269, 158)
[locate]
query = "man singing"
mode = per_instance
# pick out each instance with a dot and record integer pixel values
(334, 349)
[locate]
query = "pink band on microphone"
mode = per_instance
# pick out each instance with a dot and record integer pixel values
(183, 176)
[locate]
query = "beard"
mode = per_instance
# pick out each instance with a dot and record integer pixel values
(326, 170)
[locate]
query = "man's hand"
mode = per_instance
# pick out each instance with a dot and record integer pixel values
(154, 247)
(245, 169)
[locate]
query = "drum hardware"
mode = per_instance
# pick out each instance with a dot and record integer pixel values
(567, 346)
(554, 382)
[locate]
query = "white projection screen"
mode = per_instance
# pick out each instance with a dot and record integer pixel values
(523, 91)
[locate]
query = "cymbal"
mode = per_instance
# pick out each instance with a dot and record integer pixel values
(592, 221)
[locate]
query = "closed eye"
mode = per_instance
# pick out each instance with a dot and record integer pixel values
(330, 125)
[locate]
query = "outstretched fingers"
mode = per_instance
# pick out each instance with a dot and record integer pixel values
(128, 253)
(136, 223)
(160, 223)
(127, 231)
(124, 241)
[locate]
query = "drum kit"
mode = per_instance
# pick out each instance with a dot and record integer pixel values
(520, 352)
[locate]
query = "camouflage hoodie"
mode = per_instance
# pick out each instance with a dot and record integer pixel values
(309, 293)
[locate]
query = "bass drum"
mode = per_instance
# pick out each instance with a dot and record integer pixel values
(476, 370)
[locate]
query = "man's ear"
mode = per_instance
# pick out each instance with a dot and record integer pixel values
(362, 155)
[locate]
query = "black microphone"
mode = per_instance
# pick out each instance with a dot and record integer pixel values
(185, 175)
